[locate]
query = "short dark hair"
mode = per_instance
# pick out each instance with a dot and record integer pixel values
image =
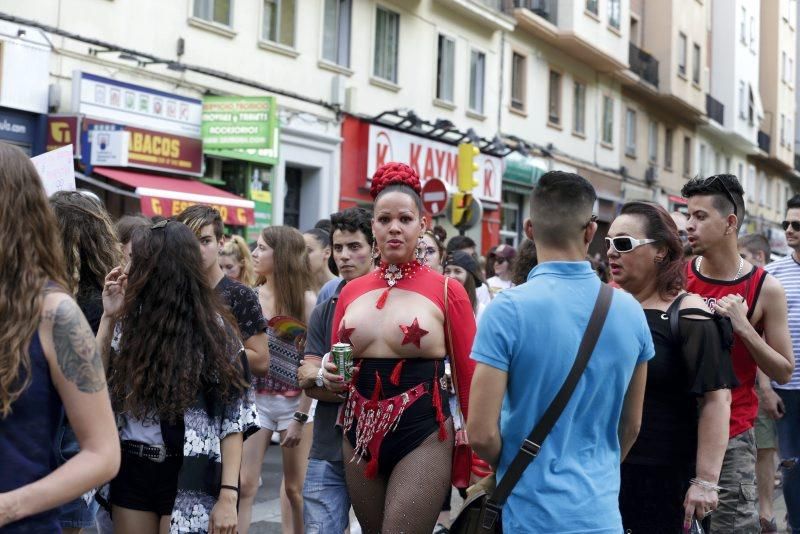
(128, 223)
(793, 202)
(323, 237)
(200, 215)
(353, 220)
(561, 205)
(460, 242)
(755, 243)
(725, 189)
(324, 224)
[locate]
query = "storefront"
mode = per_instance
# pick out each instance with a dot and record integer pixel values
(520, 176)
(131, 136)
(367, 146)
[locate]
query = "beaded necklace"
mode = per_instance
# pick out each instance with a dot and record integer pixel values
(393, 273)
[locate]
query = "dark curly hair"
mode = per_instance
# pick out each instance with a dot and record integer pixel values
(658, 225)
(178, 338)
(725, 189)
(525, 260)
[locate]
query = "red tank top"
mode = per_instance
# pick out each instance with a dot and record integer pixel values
(744, 402)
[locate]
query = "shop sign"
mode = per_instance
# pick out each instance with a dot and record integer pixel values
(263, 212)
(17, 126)
(432, 159)
(109, 148)
(237, 122)
(63, 130)
(135, 105)
(523, 170)
(148, 149)
(161, 203)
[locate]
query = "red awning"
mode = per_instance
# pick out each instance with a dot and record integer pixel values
(170, 196)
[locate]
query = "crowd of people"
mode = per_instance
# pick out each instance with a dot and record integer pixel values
(149, 363)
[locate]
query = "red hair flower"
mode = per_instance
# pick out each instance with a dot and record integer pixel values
(394, 173)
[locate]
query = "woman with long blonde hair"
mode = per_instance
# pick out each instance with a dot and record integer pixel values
(49, 363)
(281, 264)
(236, 262)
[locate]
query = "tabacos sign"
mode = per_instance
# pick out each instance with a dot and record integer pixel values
(432, 159)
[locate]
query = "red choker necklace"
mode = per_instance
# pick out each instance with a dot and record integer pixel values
(393, 273)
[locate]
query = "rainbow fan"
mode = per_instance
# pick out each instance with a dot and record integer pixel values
(288, 329)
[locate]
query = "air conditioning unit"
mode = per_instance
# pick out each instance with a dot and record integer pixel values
(651, 175)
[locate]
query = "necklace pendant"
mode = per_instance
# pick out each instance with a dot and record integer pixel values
(393, 274)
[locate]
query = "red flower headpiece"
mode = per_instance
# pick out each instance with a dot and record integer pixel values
(394, 173)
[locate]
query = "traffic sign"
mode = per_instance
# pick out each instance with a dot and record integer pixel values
(434, 197)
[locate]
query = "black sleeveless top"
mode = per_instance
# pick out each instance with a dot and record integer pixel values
(681, 372)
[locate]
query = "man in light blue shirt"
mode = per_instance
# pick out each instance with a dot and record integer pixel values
(525, 347)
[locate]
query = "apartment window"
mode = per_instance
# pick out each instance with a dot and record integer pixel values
(682, 54)
(789, 137)
(652, 143)
(742, 99)
(608, 119)
(668, 134)
(614, 13)
(743, 26)
(751, 107)
(477, 76)
(696, 63)
(752, 33)
(783, 66)
(790, 74)
(703, 163)
(518, 80)
(554, 100)
(763, 188)
(687, 155)
(579, 108)
(591, 6)
(387, 33)
(336, 32)
(630, 133)
(218, 11)
(752, 184)
(445, 68)
(278, 23)
(742, 177)
(783, 129)
(727, 164)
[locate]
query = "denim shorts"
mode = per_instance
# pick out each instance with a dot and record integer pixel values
(326, 502)
(74, 514)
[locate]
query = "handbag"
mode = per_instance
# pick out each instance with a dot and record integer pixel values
(481, 512)
(462, 452)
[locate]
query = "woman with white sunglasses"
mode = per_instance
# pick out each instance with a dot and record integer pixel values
(670, 475)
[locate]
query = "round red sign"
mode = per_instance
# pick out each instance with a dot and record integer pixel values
(435, 196)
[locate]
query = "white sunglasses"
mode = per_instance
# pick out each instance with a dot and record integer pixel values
(623, 244)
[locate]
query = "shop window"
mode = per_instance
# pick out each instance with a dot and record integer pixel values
(511, 226)
(278, 23)
(445, 68)
(218, 11)
(387, 35)
(518, 81)
(477, 80)
(336, 32)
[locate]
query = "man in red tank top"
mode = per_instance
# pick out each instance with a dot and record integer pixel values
(755, 303)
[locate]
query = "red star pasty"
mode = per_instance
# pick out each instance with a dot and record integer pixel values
(412, 333)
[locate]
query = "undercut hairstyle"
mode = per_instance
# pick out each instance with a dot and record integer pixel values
(323, 237)
(237, 249)
(353, 220)
(200, 215)
(406, 189)
(718, 187)
(178, 338)
(561, 206)
(30, 257)
(793, 203)
(324, 224)
(460, 242)
(525, 260)
(127, 224)
(659, 225)
(755, 243)
(290, 269)
(89, 241)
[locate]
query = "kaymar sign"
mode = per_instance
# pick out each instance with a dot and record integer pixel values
(238, 122)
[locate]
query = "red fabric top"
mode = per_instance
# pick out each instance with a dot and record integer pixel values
(744, 402)
(430, 285)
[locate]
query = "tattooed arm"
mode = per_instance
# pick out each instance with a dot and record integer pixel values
(77, 374)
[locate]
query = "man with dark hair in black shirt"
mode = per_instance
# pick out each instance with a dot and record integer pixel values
(206, 223)
(326, 502)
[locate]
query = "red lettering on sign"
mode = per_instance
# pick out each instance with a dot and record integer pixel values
(450, 173)
(440, 157)
(413, 159)
(382, 151)
(488, 176)
(428, 165)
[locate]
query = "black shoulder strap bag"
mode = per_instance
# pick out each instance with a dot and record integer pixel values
(481, 512)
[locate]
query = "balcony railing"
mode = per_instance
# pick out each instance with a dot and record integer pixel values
(547, 9)
(643, 64)
(763, 141)
(715, 109)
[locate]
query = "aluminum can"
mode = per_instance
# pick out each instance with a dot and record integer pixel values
(343, 358)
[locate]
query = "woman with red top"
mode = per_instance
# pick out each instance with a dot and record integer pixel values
(397, 421)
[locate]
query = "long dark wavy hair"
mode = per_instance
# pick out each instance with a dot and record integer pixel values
(177, 336)
(30, 256)
(658, 225)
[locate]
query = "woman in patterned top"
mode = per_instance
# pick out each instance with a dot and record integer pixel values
(178, 382)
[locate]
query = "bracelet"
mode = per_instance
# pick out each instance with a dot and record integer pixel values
(705, 484)
(300, 417)
(226, 486)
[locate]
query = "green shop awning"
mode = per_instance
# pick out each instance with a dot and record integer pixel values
(523, 170)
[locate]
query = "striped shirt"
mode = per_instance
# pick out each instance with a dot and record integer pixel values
(787, 271)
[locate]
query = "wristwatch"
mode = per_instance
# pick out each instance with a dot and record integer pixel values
(300, 417)
(319, 380)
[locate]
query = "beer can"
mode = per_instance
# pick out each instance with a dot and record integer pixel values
(343, 358)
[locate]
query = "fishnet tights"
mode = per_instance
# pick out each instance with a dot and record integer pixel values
(409, 501)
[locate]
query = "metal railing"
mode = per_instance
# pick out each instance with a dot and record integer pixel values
(643, 64)
(763, 141)
(715, 109)
(547, 9)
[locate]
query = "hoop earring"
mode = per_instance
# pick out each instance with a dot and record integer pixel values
(422, 258)
(375, 252)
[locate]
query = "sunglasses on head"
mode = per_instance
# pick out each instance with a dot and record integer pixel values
(499, 261)
(625, 243)
(794, 224)
(709, 181)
